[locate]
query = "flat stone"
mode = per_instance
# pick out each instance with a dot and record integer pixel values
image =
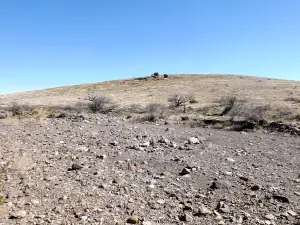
(270, 217)
(203, 210)
(221, 184)
(18, 215)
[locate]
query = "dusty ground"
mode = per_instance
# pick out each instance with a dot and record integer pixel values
(207, 89)
(104, 171)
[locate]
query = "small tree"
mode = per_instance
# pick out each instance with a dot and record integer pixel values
(180, 99)
(101, 104)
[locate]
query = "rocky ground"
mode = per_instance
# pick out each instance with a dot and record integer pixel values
(107, 171)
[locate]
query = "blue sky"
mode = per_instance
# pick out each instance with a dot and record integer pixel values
(59, 42)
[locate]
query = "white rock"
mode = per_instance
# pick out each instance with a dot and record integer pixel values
(194, 140)
(292, 213)
(160, 201)
(270, 217)
(230, 160)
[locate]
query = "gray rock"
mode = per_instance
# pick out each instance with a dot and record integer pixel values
(221, 184)
(18, 214)
(75, 167)
(194, 140)
(185, 171)
(146, 144)
(222, 207)
(270, 217)
(203, 210)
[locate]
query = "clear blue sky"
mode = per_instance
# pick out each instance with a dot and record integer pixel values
(45, 43)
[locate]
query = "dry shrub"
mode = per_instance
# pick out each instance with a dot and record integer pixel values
(77, 108)
(292, 99)
(228, 102)
(250, 111)
(177, 99)
(154, 111)
(101, 104)
(134, 108)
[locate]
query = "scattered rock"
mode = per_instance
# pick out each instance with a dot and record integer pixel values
(186, 218)
(146, 144)
(222, 207)
(194, 140)
(255, 188)
(221, 184)
(281, 198)
(119, 181)
(203, 210)
(18, 214)
(186, 171)
(133, 220)
(292, 213)
(230, 160)
(270, 217)
(76, 167)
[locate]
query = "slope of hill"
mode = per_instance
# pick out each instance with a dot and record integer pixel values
(206, 88)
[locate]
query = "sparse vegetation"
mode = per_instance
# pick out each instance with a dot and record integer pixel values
(134, 108)
(250, 111)
(178, 100)
(292, 99)
(101, 104)
(154, 111)
(166, 75)
(228, 102)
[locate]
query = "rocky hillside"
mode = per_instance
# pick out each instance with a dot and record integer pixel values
(102, 170)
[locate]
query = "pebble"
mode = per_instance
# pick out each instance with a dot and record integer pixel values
(292, 213)
(270, 217)
(185, 171)
(230, 160)
(203, 210)
(161, 201)
(76, 167)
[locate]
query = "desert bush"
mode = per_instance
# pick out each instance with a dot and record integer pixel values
(166, 75)
(101, 104)
(134, 108)
(177, 99)
(292, 99)
(16, 109)
(228, 102)
(154, 111)
(21, 109)
(193, 101)
(250, 111)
